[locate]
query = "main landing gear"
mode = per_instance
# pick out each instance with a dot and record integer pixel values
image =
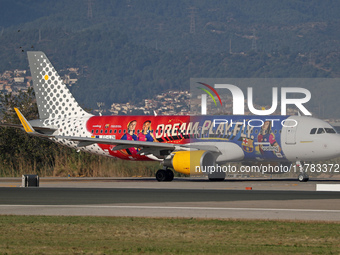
(164, 175)
(303, 176)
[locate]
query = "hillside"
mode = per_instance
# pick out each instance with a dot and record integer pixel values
(129, 50)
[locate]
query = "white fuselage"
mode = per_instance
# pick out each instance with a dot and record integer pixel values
(300, 143)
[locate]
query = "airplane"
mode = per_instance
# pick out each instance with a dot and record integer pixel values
(187, 144)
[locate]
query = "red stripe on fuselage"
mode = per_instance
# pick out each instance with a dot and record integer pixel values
(164, 129)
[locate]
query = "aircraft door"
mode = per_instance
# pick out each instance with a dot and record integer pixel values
(291, 135)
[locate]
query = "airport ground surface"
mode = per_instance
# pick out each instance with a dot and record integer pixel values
(278, 198)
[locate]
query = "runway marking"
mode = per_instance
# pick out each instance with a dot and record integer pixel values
(175, 207)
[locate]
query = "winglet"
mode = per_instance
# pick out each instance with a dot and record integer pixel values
(27, 126)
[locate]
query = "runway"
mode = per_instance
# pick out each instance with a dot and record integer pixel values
(145, 197)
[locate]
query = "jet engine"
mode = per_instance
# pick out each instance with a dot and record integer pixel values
(191, 162)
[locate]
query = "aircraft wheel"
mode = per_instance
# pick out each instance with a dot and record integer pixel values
(303, 178)
(169, 175)
(161, 175)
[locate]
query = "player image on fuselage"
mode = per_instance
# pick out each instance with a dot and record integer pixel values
(146, 134)
(267, 142)
(130, 135)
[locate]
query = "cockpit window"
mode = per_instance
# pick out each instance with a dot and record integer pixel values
(312, 132)
(321, 131)
(330, 130)
(337, 129)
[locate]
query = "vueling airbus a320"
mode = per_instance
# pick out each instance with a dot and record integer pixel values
(187, 144)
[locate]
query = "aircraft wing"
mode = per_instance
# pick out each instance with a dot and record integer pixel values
(146, 147)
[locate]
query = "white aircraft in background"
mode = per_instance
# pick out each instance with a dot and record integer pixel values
(184, 143)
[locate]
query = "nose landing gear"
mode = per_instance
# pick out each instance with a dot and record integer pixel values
(303, 176)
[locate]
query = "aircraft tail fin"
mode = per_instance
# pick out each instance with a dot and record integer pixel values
(54, 99)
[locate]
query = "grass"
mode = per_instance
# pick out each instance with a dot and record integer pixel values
(80, 164)
(107, 235)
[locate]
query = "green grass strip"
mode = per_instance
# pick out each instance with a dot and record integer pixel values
(107, 235)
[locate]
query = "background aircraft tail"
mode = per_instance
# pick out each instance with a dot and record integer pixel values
(53, 97)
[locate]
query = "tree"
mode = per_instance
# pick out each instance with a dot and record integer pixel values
(19, 152)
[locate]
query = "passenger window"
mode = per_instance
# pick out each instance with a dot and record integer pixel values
(101, 131)
(115, 131)
(111, 131)
(321, 131)
(120, 131)
(330, 130)
(92, 131)
(97, 131)
(106, 131)
(312, 132)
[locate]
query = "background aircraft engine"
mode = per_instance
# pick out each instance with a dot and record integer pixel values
(191, 162)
